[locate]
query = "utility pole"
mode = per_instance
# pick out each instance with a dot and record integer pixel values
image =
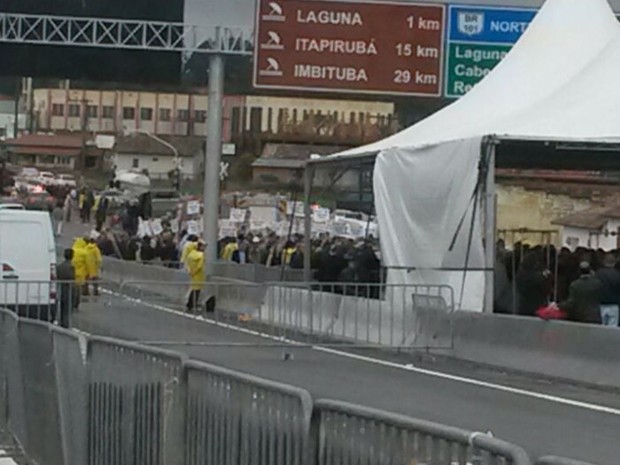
(213, 157)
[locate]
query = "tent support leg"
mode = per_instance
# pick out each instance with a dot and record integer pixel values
(489, 225)
(308, 177)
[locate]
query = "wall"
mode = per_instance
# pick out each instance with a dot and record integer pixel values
(271, 110)
(7, 124)
(158, 165)
(578, 237)
(520, 208)
(343, 108)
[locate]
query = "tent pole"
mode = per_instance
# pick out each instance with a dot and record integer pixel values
(489, 224)
(308, 175)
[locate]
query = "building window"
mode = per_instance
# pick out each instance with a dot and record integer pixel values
(74, 110)
(155, 159)
(165, 114)
(92, 111)
(63, 160)
(200, 116)
(108, 111)
(47, 159)
(146, 114)
(129, 113)
(58, 109)
(183, 115)
(135, 163)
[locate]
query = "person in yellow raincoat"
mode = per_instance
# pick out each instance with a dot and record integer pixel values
(195, 262)
(93, 264)
(79, 264)
(228, 250)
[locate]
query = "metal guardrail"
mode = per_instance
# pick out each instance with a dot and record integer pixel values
(372, 315)
(234, 418)
(359, 435)
(550, 460)
(72, 399)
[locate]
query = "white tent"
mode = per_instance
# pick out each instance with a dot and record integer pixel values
(432, 179)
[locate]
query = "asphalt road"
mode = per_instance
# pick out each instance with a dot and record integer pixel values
(541, 416)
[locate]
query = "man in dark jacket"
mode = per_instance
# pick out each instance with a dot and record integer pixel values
(584, 297)
(533, 285)
(68, 298)
(610, 295)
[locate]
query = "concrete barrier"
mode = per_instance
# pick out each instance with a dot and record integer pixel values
(577, 352)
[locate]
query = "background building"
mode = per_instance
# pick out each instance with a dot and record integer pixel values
(7, 118)
(142, 153)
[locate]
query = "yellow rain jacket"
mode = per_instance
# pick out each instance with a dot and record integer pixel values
(228, 251)
(80, 260)
(93, 260)
(185, 252)
(195, 263)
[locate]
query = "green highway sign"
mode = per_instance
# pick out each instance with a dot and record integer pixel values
(467, 64)
(478, 38)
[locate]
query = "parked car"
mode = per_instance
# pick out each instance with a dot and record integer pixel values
(66, 180)
(39, 201)
(47, 178)
(24, 186)
(29, 173)
(27, 255)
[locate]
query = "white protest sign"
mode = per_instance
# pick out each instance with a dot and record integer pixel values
(357, 228)
(174, 226)
(257, 225)
(192, 227)
(298, 207)
(321, 215)
(193, 207)
(157, 227)
(237, 215)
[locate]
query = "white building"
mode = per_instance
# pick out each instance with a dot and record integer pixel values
(7, 118)
(140, 152)
(593, 229)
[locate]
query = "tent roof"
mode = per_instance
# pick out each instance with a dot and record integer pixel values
(558, 82)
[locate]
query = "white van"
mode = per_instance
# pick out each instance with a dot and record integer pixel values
(27, 262)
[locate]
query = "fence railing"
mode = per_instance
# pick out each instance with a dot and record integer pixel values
(359, 435)
(74, 399)
(559, 461)
(398, 316)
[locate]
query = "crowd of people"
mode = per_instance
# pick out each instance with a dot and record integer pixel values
(581, 285)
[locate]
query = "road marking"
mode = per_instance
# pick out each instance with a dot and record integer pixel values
(385, 363)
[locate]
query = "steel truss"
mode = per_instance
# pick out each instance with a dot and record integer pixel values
(122, 34)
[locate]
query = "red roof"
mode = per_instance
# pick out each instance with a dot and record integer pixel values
(43, 144)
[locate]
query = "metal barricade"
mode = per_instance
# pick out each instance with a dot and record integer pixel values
(358, 435)
(15, 411)
(55, 301)
(235, 419)
(72, 381)
(4, 371)
(135, 404)
(550, 460)
(373, 315)
(42, 411)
